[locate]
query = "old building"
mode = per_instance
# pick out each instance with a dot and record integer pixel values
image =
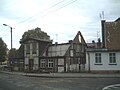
(43, 56)
(65, 57)
(33, 49)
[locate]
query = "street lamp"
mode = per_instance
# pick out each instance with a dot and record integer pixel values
(10, 63)
(11, 32)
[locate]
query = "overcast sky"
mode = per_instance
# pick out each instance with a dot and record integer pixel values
(61, 19)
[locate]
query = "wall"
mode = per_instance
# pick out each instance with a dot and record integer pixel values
(61, 65)
(90, 62)
(31, 55)
(112, 35)
(74, 68)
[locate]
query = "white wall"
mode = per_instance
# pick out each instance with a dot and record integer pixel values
(36, 63)
(26, 61)
(105, 62)
(74, 67)
(61, 62)
(60, 69)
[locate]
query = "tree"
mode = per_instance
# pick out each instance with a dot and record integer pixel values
(35, 33)
(3, 50)
(12, 53)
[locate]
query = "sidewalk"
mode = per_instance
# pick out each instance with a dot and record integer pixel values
(66, 75)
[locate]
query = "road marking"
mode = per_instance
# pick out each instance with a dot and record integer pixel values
(112, 87)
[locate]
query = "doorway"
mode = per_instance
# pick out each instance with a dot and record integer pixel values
(31, 63)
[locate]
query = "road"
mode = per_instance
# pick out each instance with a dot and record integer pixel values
(18, 82)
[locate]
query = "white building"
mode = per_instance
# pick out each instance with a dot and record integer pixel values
(102, 60)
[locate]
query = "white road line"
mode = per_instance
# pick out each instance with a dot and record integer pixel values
(111, 86)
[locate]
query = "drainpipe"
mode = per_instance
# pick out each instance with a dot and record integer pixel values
(88, 62)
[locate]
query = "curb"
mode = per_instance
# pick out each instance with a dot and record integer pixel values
(66, 76)
(71, 76)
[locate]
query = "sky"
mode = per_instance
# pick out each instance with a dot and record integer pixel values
(60, 19)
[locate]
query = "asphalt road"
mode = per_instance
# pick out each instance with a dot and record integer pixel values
(17, 82)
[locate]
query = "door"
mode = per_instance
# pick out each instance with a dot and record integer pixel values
(31, 63)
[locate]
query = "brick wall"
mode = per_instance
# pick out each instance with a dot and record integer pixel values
(112, 35)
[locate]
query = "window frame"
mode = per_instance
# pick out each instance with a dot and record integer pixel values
(50, 63)
(27, 48)
(112, 59)
(98, 59)
(43, 64)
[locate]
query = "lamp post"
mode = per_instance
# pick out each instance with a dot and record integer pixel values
(11, 32)
(10, 62)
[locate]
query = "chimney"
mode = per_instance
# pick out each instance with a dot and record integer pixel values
(56, 43)
(103, 32)
(99, 43)
(93, 44)
(70, 41)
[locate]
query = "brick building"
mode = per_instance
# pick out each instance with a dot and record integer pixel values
(111, 34)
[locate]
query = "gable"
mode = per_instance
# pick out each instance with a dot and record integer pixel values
(79, 38)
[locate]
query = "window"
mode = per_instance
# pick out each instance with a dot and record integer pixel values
(112, 58)
(98, 58)
(28, 48)
(71, 53)
(43, 63)
(50, 63)
(34, 45)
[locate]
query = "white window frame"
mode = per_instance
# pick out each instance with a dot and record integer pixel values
(50, 63)
(42, 63)
(112, 58)
(98, 58)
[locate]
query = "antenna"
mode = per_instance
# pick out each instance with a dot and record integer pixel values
(56, 37)
(102, 16)
(98, 34)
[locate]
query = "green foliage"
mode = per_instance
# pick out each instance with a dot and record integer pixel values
(35, 33)
(12, 53)
(3, 50)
